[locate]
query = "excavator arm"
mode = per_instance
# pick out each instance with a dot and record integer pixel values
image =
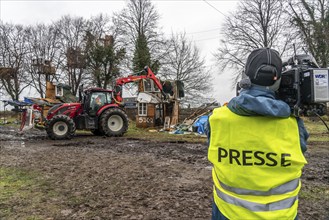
(145, 74)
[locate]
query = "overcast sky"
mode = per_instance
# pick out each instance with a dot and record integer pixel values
(201, 20)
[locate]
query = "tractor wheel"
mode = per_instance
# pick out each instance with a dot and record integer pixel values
(60, 127)
(114, 122)
(97, 132)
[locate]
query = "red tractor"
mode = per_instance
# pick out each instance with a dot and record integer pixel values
(99, 110)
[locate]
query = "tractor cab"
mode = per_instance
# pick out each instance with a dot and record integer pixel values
(94, 99)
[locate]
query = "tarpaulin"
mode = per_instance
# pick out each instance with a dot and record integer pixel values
(201, 124)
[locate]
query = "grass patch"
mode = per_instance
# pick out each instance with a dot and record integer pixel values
(12, 180)
(155, 134)
(319, 138)
(9, 118)
(22, 191)
(317, 130)
(315, 125)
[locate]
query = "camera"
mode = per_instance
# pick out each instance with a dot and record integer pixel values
(304, 86)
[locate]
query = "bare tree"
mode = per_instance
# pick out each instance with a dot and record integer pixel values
(14, 77)
(311, 17)
(139, 20)
(99, 26)
(72, 42)
(184, 63)
(42, 47)
(255, 24)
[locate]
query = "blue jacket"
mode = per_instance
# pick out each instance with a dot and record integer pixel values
(262, 102)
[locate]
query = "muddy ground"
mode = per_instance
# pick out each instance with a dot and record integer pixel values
(92, 177)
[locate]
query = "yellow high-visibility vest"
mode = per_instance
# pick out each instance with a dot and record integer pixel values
(257, 164)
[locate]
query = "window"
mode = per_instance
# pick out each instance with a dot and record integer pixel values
(142, 109)
(58, 91)
(150, 86)
(147, 85)
(108, 98)
(155, 88)
(97, 100)
(100, 95)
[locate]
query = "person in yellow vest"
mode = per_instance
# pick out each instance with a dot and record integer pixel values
(256, 147)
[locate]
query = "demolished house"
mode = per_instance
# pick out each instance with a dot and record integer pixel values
(153, 109)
